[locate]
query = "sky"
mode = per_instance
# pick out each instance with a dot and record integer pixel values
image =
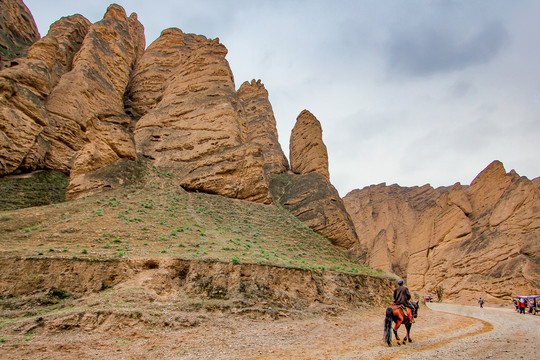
(410, 92)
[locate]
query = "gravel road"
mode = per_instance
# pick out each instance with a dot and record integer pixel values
(514, 336)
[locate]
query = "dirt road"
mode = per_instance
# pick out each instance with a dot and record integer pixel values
(513, 336)
(474, 333)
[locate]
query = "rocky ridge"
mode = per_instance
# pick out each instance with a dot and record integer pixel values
(474, 241)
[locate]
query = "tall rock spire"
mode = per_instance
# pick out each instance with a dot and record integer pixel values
(307, 150)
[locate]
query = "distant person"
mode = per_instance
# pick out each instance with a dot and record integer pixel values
(402, 297)
(516, 305)
(522, 305)
(481, 302)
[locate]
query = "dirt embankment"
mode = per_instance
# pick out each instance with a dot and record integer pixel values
(167, 279)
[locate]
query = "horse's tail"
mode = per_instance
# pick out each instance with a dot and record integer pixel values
(388, 326)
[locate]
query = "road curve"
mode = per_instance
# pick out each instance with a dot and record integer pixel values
(505, 335)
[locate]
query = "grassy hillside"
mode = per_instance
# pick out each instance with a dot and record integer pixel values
(163, 220)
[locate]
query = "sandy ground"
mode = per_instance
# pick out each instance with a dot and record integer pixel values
(479, 334)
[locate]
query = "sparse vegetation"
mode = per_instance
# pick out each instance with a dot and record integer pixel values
(203, 226)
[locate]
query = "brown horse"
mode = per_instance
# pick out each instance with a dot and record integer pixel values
(396, 314)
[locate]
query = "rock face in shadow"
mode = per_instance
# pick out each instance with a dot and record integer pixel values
(481, 240)
(17, 31)
(314, 201)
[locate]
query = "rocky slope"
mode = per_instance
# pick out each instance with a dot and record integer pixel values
(475, 241)
(89, 100)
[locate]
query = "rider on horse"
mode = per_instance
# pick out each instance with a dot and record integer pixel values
(402, 297)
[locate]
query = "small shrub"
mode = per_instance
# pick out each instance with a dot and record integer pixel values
(235, 260)
(84, 251)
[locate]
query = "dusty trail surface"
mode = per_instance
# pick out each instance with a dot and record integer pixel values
(514, 336)
(487, 333)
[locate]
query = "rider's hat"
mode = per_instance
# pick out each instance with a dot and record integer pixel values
(400, 282)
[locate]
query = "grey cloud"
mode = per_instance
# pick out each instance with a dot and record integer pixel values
(437, 50)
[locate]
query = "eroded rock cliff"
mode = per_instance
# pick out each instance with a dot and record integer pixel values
(90, 101)
(478, 240)
(17, 31)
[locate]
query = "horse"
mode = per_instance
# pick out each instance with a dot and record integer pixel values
(396, 314)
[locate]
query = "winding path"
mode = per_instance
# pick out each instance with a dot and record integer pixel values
(501, 334)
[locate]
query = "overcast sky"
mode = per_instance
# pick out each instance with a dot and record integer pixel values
(407, 92)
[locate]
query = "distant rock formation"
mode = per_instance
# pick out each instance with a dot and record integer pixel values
(17, 31)
(481, 240)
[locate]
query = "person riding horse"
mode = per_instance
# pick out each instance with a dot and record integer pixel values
(397, 313)
(402, 296)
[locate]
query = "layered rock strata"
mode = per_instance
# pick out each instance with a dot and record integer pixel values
(31, 137)
(314, 201)
(193, 124)
(262, 129)
(89, 100)
(17, 31)
(481, 240)
(91, 95)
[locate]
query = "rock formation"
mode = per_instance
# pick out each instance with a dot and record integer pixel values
(307, 149)
(308, 193)
(477, 240)
(195, 127)
(90, 101)
(17, 31)
(31, 137)
(262, 126)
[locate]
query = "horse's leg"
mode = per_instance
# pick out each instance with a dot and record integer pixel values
(396, 327)
(408, 327)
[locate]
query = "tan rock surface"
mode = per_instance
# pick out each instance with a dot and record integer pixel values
(31, 137)
(307, 150)
(314, 201)
(92, 93)
(192, 123)
(262, 129)
(483, 240)
(17, 31)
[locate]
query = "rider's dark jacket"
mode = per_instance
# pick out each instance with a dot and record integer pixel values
(402, 295)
